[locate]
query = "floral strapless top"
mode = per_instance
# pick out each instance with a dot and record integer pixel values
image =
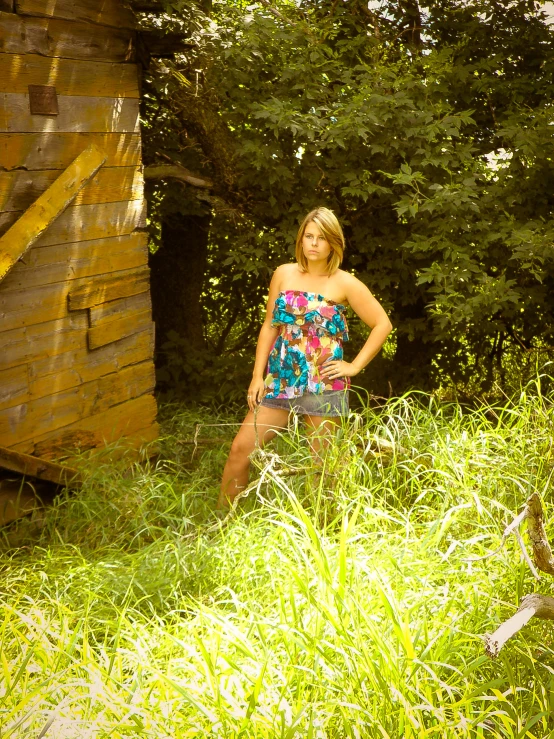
(311, 331)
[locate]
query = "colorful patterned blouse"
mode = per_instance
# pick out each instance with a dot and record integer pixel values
(311, 331)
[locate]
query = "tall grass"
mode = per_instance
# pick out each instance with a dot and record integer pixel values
(348, 602)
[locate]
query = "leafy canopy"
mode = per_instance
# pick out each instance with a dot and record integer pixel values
(428, 132)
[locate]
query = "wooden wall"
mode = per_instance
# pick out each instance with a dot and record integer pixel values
(76, 332)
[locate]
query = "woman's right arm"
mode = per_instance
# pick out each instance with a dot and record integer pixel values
(266, 339)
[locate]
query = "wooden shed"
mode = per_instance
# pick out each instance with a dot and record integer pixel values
(76, 331)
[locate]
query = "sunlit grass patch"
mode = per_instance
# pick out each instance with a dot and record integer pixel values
(348, 601)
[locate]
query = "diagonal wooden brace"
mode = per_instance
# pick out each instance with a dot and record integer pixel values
(47, 207)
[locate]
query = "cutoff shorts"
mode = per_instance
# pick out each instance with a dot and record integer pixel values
(329, 404)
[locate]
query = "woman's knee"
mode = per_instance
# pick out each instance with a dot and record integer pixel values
(241, 447)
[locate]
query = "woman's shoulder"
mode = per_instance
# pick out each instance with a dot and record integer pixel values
(282, 272)
(345, 279)
(349, 284)
(284, 269)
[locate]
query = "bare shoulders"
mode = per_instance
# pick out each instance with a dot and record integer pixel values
(284, 271)
(346, 281)
(339, 284)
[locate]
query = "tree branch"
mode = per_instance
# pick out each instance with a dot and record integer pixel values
(373, 18)
(526, 556)
(227, 330)
(542, 554)
(534, 604)
(199, 111)
(178, 172)
(413, 12)
(276, 13)
(507, 531)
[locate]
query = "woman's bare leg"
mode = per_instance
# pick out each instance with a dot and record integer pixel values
(235, 472)
(320, 432)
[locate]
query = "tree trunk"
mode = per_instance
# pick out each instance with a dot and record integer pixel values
(177, 278)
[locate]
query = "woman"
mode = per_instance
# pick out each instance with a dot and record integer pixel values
(302, 338)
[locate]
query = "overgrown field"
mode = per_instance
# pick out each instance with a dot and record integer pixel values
(351, 603)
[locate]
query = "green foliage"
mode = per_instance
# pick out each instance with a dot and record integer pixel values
(435, 150)
(348, 604)
(203, 375)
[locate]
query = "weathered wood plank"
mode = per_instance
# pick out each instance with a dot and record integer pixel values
(110, 287)
(67, 370)
(117, 328)
(58, 150)
(56, 254)
(66, 444)
(131, 424)
(48, 265)
(19, 188)
(82, 114)
(103, 12)
(30, 420)
(14, 386)
(31, 466)
(69, 76)
(88, 222)
(98, 314)
(33, 343)
(70, 369)
(66, 39)
(45, 303)
(139, 444)
(38, 217)
(22, 309)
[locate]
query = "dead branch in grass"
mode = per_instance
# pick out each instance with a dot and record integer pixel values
(533, 604)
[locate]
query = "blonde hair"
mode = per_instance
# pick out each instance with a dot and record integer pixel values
(331, 229)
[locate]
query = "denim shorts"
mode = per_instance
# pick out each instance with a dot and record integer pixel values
(329, 404)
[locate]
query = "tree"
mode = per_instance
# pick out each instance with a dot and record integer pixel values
(435, 153)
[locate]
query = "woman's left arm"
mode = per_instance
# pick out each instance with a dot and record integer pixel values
(373, 315)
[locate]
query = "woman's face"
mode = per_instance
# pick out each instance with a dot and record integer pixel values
(314, 244)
